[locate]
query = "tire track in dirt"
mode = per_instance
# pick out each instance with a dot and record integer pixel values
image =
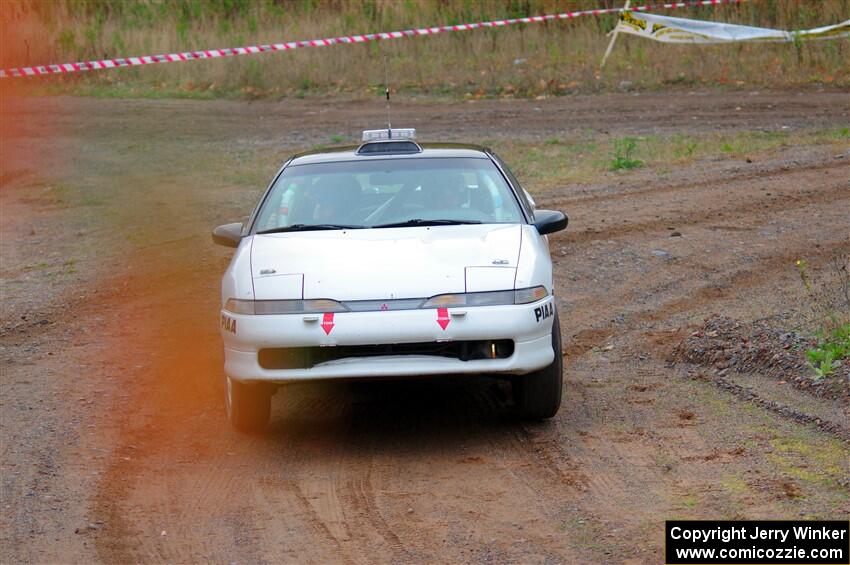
(723, 285)
(606, 489)
(759, 206)
(556, 464)
(543, 463)
(362, 497)
(644, 235)
(312, 521)
(337, 474)
(838, 429)
(735, 175)
(364, 480)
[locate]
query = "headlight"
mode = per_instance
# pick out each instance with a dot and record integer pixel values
(494, 298)
(322, 305)
(528, 295)
(239, 306)
(316, 306)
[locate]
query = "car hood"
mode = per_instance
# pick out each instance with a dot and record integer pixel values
(385, 264)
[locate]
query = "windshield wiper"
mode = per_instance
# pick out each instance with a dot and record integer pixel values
(310, 227)
(421, 222)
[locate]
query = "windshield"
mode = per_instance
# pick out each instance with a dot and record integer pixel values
(388, 193)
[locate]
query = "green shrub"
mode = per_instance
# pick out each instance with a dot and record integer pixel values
(830, 351)
(624, 154)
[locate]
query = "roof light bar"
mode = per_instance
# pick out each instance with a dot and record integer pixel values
(384, 134)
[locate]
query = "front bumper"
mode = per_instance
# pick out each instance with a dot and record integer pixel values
(528, 325)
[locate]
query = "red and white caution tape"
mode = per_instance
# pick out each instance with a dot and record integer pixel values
(349, 39)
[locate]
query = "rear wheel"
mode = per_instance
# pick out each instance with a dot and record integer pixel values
(248, 404)
(538, 394)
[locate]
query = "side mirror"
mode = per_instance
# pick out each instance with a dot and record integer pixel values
(549, 221)
(228, 235)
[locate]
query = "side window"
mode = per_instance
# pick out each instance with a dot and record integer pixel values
(519, 190)
(277, 209)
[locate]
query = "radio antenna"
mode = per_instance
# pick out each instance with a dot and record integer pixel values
(387, 92)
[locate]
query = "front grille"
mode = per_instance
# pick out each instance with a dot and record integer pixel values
(383, 305)
(307, 357)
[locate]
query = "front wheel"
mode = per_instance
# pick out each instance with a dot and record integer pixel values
(248, 405)
(538, 394)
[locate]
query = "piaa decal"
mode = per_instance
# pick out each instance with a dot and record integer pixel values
(228, 324)
(543, 312)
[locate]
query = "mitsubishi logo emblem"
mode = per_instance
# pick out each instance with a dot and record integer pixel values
(384, 307)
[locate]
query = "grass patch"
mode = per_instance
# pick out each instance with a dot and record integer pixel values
(514, 61)
(841, 133)
(122, 89)
(830, 351)
(755, 141)
(624, 150)
(734, 484)
(689, 501)
(820, 462)
(89, 200)
(588, 156)
(827, 293)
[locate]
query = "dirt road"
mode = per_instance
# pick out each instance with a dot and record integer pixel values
(115, 445)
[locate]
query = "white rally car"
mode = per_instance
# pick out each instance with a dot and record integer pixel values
(391, 259)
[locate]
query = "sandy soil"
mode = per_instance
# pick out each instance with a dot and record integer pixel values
(115, 445)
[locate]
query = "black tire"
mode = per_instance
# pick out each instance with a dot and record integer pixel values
(248, 404)
(538, 394)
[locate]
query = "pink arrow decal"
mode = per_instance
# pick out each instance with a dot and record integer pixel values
(328, 322)
(443, 317)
